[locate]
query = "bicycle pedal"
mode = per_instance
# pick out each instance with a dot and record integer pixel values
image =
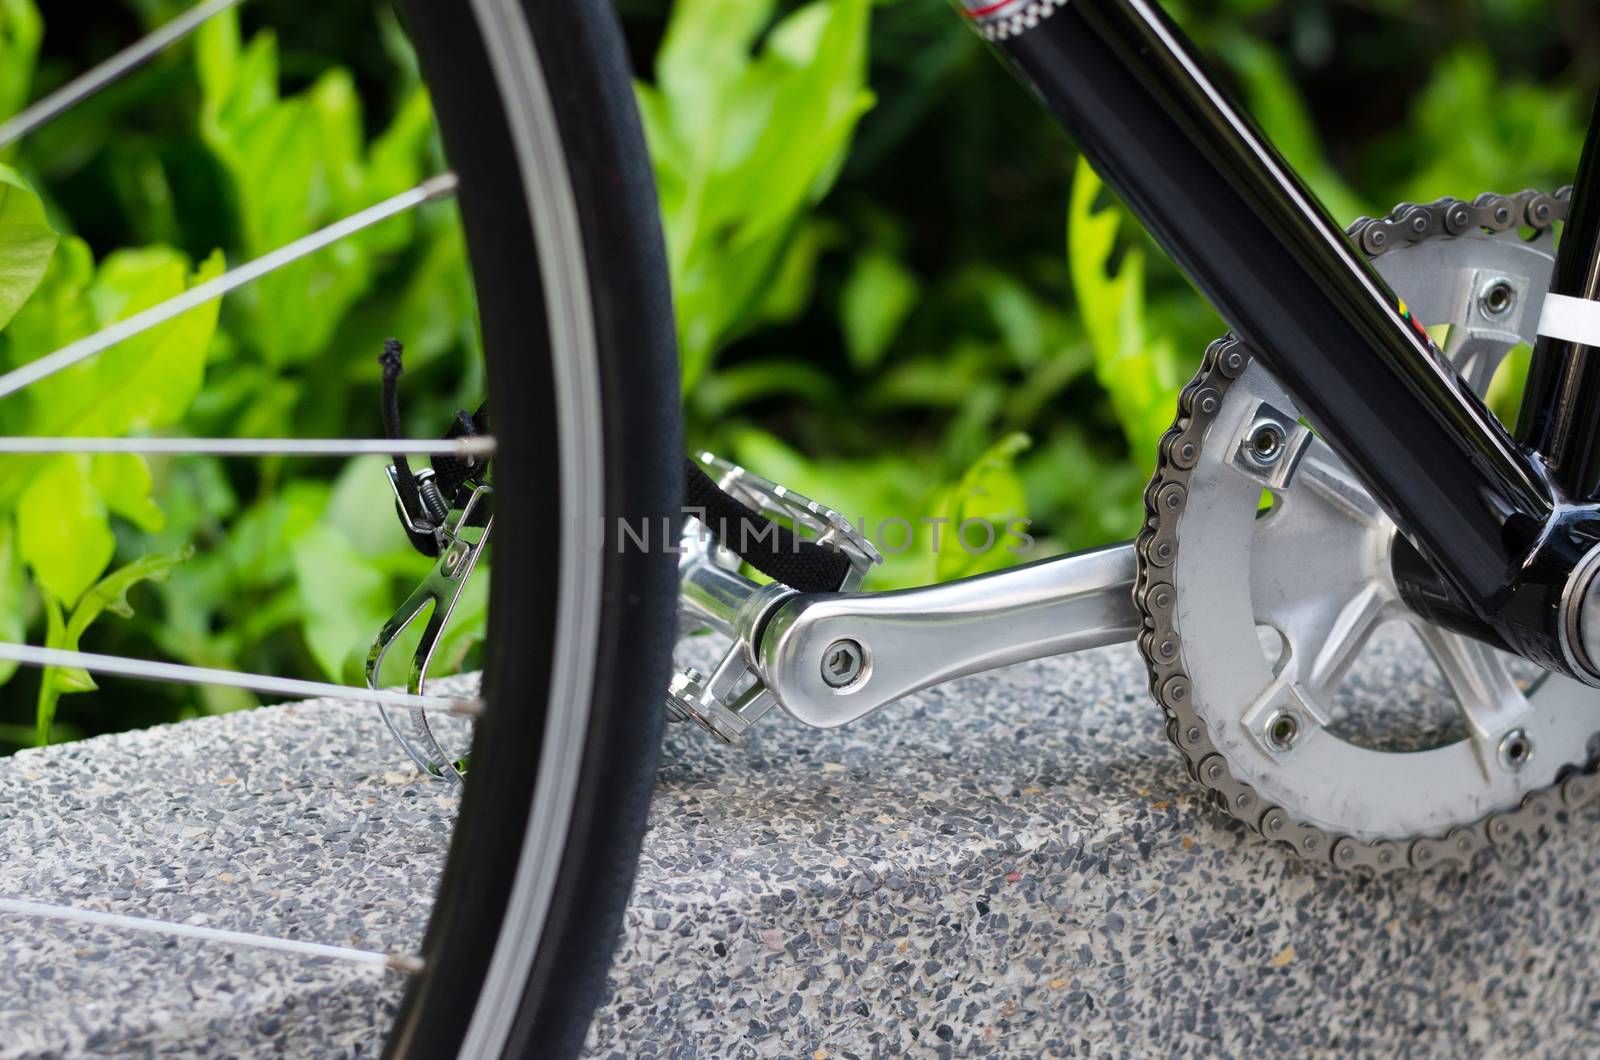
(814, 521)
(714, 596)
(463, 534)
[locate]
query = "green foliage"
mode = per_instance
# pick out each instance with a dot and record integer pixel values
(989, 494)
(1522, 135)
(26, 243)
(877, 295)
(344, 568)
(64, 505)
(239, 565)
(109, 594)
(743, 145)
(20, 31)
(1138, 370)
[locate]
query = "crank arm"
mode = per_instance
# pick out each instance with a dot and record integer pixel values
(830, 658)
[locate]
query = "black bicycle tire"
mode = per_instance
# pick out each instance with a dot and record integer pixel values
(579, 49)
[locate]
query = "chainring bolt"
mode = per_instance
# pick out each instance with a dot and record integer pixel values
(1515, 750)
(1498, 298)
(1282, 730)
(1264, 446)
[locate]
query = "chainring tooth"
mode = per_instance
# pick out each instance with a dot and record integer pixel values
(1156, 547)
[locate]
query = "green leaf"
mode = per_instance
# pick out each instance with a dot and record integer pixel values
(743, 146)
(1476, 127)
(361, 508)
(395, 162)
(59, 310)
(124, 483)
(13, 595)
(109, 594)
(20, 31)
(145, 382)
(62, 528)
(26, 243)
(738, 384)
(344, 601)
(989, 501)
(877, 295)
(296, 164)
(54, 681)
(1137, 370)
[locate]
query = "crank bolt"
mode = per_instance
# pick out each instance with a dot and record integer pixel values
(1498, 298)
(1282, 730)
(1515, 750)
(1265, 444)
(843, 663)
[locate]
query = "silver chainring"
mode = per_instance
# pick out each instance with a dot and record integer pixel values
(1254, 611)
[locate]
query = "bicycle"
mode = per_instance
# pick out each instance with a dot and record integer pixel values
(1330, 398)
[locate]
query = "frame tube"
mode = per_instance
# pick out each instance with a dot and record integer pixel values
(1560, 414)
(1122, 80)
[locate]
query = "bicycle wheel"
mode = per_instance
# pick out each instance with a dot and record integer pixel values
(536, 111)
(534, 107)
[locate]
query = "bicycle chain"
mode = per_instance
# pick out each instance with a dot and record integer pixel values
(1156, 596)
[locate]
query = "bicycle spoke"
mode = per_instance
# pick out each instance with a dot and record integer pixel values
(430, 190)
(477, 446)
(112, 70)
(310, 950)
(145, 669)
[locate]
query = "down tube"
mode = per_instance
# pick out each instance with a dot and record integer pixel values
(1125, 84)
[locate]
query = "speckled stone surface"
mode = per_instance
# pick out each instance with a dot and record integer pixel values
(1017, 865)
(297, 821)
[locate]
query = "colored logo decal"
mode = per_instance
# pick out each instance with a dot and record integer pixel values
(998, 20)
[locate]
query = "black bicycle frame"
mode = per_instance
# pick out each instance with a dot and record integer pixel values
(1489, 536)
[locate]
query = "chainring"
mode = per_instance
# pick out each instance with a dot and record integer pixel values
(1253, 615)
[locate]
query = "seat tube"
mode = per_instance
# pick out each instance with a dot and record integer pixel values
(1560, 415)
